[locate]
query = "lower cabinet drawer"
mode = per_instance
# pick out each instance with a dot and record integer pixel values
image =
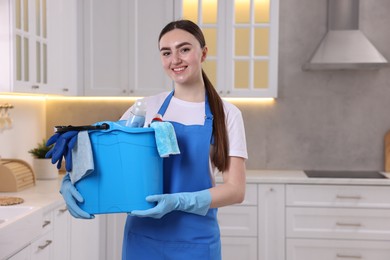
(299, 249)
(238, 221)
(41, 249)
(338, 223)
(234, 248)
(338, 196)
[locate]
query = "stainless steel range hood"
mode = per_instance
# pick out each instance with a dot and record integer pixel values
(344, 45)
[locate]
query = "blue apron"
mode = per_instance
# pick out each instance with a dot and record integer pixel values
(179, 235)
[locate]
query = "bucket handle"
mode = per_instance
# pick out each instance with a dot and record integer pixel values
(63, 129)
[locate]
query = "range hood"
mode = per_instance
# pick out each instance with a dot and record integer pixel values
(344, 46)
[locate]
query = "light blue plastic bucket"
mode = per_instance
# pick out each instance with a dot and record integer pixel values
(127, 169)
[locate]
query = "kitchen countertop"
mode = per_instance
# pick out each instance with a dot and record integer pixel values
(299, 177)
(22, 223)
(45, 194)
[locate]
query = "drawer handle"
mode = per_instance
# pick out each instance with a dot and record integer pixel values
(45, 223)
(349, 256)
(348, 197)
(348, 224)
(63, 210)
(48, 242)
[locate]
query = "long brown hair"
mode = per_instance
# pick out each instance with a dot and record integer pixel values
(221, 155)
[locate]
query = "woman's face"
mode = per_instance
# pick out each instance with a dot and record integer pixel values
(181, 57)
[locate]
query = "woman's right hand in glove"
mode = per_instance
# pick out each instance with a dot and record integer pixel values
(71, 197)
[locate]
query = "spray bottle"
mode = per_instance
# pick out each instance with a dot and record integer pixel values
(137, 114)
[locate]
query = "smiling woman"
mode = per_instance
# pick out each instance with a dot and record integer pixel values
(211, 137)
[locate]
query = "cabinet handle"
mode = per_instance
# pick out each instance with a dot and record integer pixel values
(62, 210)
(348, 256)
(65, 89)
(349, 197)
(348, 224)
(35, 87)
(45, 223)
(47, 243)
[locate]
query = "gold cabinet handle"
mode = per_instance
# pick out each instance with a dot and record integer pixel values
(348, 224)
(63, 210)
(45, 223)
(348, 256)
(47, 243)
(357, 197)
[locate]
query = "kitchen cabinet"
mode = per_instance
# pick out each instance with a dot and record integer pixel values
(271, 217)
(255, 228)
(63, 237)
(242, 40)
(121, 53)
(115, 231)
(42, 248)
(337, 221)
(36, 35)
(91, 230)
(61, 233)
(238, 226)
(23, 254)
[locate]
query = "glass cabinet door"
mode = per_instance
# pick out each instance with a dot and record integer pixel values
(30, 40)
(242, 38)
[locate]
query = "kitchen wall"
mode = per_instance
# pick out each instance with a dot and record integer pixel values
(28, 127)
(320, 120)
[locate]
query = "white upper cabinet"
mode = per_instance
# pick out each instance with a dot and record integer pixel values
(242, 40)
(121, 47)
(33, 34)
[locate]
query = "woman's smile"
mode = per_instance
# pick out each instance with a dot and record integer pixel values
(179, 69)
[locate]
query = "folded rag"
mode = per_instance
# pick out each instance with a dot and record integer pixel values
(165, 138)
(82, 157)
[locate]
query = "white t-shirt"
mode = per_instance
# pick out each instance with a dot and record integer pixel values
(193, 113)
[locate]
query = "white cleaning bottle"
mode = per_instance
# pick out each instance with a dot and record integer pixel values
(137, 114)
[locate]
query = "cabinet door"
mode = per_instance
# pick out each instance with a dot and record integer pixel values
(61, 229)
(271, 212)
(115, 231)
(337, 223)
(31, 41)
(234, 248)
(147, 19)
(38, 47)
(62, 55)
(42, 248)
(121, 50)
(23, 254)
(106, 47)
(308, 249)
(88, 237)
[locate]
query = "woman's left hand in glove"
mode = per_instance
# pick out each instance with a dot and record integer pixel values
(191, 202)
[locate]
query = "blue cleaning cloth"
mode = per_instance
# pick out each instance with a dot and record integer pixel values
(82, 157)
(165, 138)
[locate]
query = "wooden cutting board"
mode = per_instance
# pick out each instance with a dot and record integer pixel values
(387, 152)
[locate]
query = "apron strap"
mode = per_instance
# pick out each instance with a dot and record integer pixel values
(208, 114)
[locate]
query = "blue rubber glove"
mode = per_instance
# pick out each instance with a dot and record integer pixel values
(191, 202)
(64, 143)
(71, 197)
